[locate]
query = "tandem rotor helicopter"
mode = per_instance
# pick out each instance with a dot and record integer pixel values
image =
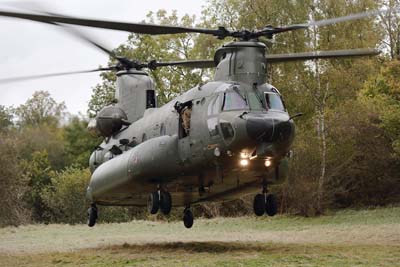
(217, 141)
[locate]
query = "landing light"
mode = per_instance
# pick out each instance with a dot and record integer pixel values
(268, 163)
(217, 152)
(243, 155)
(244, 162)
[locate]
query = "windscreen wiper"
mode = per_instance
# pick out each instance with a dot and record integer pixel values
(257, 95)
(238, 92)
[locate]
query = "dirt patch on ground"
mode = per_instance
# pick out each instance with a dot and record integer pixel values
(66, 238)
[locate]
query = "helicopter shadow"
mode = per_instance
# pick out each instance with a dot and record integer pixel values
(198, 247)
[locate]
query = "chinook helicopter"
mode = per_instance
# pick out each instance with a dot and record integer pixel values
(218, 141)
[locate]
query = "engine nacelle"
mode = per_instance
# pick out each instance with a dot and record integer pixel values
(110, 120)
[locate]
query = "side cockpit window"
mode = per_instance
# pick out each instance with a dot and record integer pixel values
(274, 101)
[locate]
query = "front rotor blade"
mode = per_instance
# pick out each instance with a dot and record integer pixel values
(331, 21)
(141, 28)
(48, 75)
(187, 64)
(278, 58)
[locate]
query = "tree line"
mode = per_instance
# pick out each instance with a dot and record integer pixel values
(347, 147)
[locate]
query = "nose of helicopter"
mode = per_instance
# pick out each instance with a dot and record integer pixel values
(269, 129)
(260, 128)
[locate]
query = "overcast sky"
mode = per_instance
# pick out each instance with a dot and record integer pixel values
(29, 48)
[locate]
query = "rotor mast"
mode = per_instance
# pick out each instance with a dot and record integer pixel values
(241, 61)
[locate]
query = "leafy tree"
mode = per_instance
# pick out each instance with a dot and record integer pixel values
(367, 174)
(65, 195)
(382, 93)
(38, 173)
(6, 117)
(102, 94)
(40, 109)
(39, 130)
(12, 185)
(44, 138)
(65, 199)
(390, 24)
(79, 143)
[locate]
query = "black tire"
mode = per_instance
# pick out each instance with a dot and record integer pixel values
(153, 203)
(165, 203)
(92, 216)
(271, 207)
(259, 205)
(188, 218)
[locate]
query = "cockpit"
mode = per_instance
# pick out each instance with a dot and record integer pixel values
(257, 100)
(221, 118)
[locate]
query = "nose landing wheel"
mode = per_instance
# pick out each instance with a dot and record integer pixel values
(271, 206)
(259, 204)
(265, 203)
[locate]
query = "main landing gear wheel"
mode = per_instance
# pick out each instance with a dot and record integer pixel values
(188, 218)
(259, 204)
(153, 203)
(264, 203)
(271, 206)
(165, 202)
(92, 215)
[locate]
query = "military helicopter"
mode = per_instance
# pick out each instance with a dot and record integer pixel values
(218, 141)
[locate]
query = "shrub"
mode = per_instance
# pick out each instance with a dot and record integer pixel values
(65, 196)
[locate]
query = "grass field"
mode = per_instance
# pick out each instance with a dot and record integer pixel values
(346, 238)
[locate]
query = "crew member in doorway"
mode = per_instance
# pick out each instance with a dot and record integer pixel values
(186, 114)
(185, 111)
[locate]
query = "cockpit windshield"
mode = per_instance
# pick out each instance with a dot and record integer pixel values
(234, 101)
(255, 101)
(274, 101)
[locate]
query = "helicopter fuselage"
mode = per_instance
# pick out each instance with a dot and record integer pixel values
(237, 139)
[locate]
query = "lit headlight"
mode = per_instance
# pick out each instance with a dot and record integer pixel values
(244, 162)
(268, 163)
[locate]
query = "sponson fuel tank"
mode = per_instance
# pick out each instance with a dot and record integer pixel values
(152, 161)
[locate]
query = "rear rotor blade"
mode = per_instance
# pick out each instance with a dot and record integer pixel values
(88, 39)
(48, 75)
(122, 60)
(73, 31)
(278, 58)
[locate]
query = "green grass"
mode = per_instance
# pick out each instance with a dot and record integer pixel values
(216, 254)
(346, 238)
